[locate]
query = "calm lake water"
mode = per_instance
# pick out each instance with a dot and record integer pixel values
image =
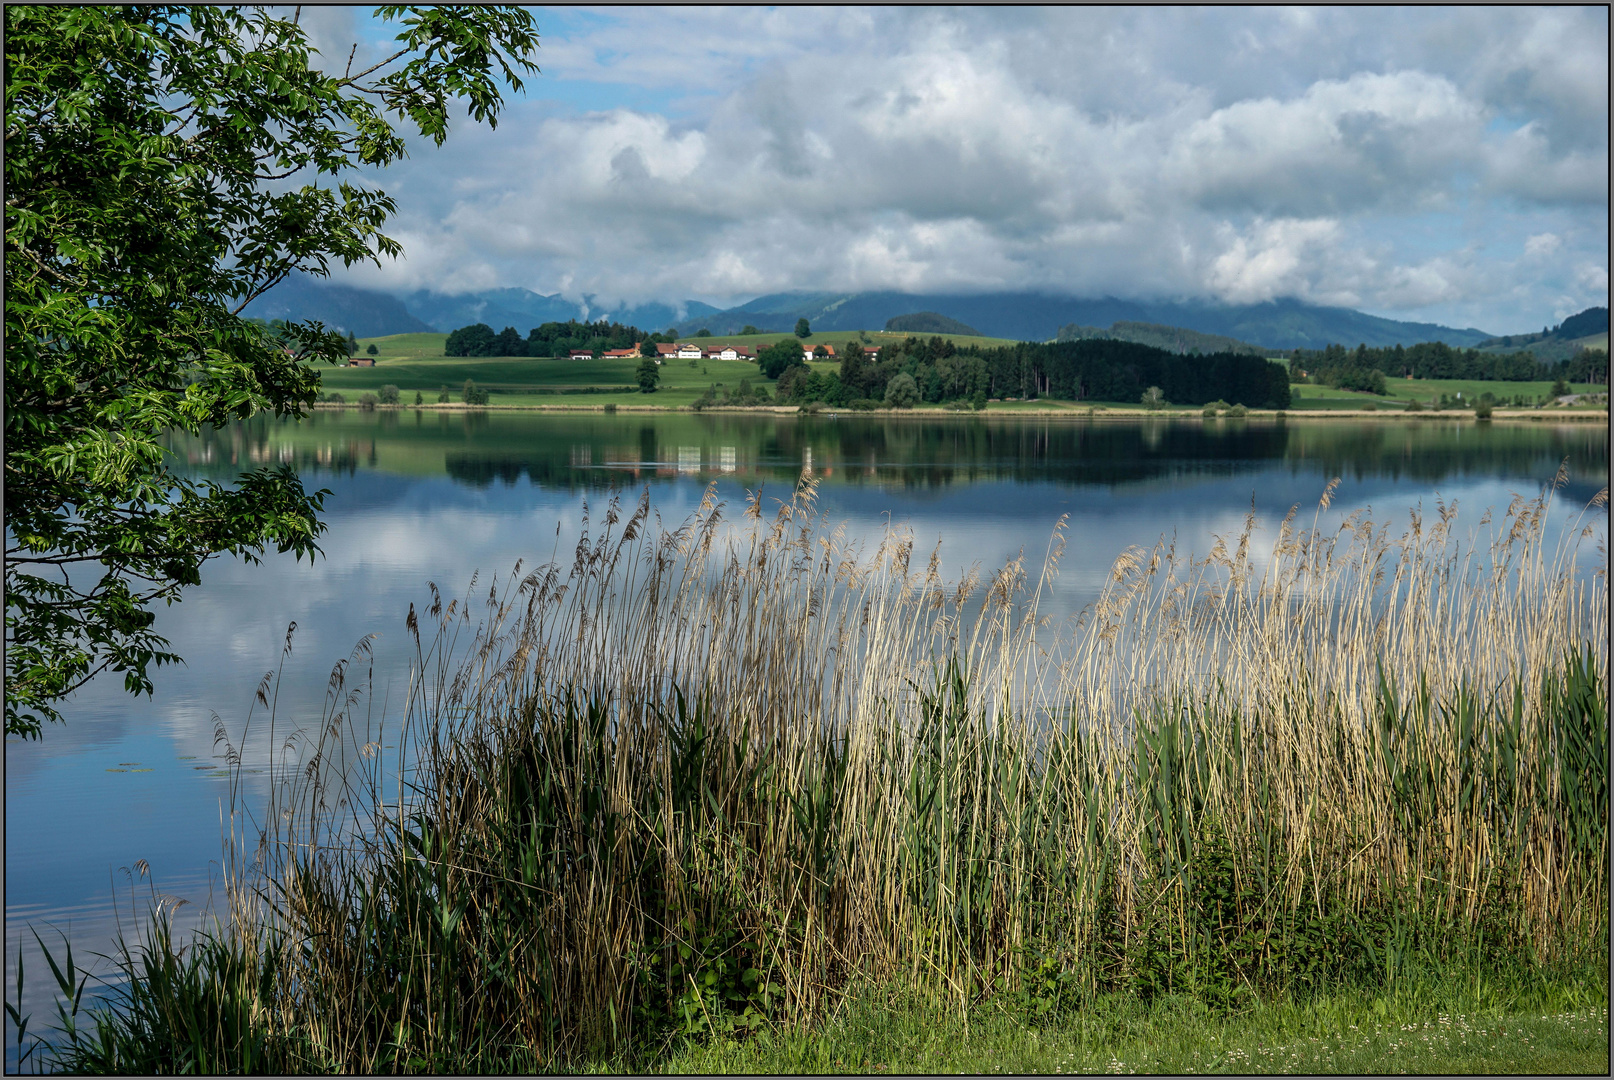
(419, 497)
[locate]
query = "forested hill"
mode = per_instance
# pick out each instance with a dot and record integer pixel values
(1588, 329)
(1174, 339)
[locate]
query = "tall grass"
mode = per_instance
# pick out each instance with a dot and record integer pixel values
(705, 779)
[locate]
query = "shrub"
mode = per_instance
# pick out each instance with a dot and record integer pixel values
(978, 400)
(1208, 412)
(1414, 406)
(419, 398)
(367, 400)
(901, 392)
(1482, 410)
(1153, 398)
(335, 398)
(372, 350)
(1237, 411)
(389, 395)
(443, 397)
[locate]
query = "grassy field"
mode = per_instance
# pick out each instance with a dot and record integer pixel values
(1425, 392)
(1456, 1031)
(529, 381)
(414, 362)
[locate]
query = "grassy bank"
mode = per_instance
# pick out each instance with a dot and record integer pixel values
(695, 788)
(1426, 1026)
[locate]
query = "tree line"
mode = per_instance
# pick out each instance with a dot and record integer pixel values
(1366, 369)
(552, 339)
(937, 371)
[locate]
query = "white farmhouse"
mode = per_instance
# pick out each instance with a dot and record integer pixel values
(689, 352)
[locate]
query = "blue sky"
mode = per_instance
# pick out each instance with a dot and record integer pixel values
(1440, 164)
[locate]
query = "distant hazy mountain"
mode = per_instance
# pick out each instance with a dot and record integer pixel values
(1024, 316)
(525, 309)
(358, 311)
(1174, 339)
(368, 313)
(928, 322)
(1277, 324)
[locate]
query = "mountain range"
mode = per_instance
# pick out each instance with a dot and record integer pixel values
(1026, 316)
(1029, 316)
(367, 313)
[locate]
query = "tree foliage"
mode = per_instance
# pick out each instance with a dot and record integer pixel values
(649, 375)
(152, 157)
(902, 392)
(1098, 369)
(775, 358)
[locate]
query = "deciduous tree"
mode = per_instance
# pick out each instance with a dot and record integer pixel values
(163, 167)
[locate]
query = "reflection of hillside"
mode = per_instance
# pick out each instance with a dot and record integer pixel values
(1436, 451)
(598, 451)
(226, 452)
(895, 454)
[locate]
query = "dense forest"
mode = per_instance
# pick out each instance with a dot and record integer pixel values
(550, 339)
(1175, 339)
(1094, 370)
(1363, 368)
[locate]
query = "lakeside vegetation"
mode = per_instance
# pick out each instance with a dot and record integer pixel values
(414, 363)
(698, 786)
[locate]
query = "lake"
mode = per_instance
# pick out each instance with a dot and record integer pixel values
(420, 497)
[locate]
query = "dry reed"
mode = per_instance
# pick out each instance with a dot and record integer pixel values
(705, 777)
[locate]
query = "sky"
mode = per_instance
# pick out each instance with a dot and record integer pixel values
(1435, 164)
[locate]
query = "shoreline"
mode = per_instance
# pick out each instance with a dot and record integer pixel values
(1075, 412)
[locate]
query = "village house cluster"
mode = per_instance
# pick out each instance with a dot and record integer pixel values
(690, 351)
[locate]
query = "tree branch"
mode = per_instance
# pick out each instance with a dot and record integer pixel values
(374, 67)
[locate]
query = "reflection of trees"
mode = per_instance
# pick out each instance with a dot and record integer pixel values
(1436, 451)
(225, 453)
(592, 452)
(928, 455)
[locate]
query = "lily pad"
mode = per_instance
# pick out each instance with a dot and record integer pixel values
(139, 770)
(117, 770)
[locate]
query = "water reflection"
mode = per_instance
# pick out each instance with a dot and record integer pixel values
(580, 451)
(425, 496)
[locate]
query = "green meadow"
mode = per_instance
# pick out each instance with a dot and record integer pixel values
(415, 364)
